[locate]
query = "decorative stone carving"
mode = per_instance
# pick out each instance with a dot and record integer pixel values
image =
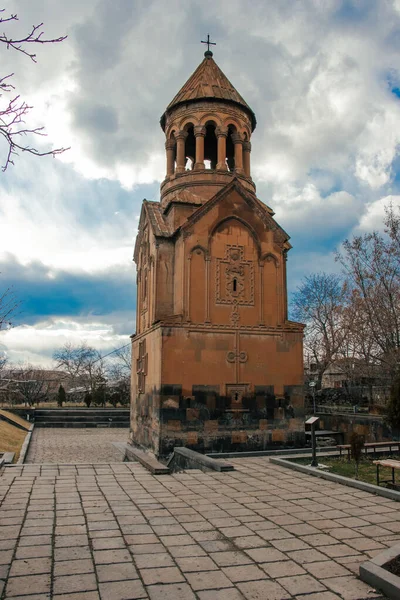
(234, 278)
(234, 356)
(236, 393)
(141, 367)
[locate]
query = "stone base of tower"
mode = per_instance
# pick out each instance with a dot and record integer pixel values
(216, 391)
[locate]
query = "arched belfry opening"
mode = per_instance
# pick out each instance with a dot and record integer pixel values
(230, 148)
(190, 148)
(210, 146)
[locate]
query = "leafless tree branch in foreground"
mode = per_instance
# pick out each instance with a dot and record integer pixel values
(13, 112)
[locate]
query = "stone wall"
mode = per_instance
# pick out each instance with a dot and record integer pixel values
(372, 427)
(206, 423)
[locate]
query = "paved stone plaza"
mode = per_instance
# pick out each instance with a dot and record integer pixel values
(92, 445)
(114, 532)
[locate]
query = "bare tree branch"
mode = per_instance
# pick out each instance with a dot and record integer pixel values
(8, 307)
(13, 126)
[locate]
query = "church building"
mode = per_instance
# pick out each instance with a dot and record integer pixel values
(216, 364)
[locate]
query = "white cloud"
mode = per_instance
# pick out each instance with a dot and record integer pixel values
(317, 73)
(373, 218)
(35, 344)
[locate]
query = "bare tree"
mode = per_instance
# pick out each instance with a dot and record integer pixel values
(14, 111)
(371, 263)
(120, 363)
(32, 383)
(83, 363)
(8, 307)
(119, 372)
(319, 303)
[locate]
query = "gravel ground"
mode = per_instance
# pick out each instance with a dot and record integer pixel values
(62, 445)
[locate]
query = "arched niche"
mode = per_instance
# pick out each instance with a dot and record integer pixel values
(234, 251)
(210, 145)
(198, 249)
(272, 292)
(197, 284)
(230, 147)
(244, 223)
(190, 146)
(269, 257)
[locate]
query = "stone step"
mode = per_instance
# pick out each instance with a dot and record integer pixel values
(82, 417)
(82, 424)
(39, 418)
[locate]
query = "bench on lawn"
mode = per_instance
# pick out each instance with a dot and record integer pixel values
(391, 444)
(392, 464)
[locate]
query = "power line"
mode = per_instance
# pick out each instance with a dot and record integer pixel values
(109, 354)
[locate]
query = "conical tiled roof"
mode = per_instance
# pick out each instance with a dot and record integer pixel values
(208, 82)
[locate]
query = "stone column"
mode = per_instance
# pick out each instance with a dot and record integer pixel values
(237, 140)
(170, 149)
(222, 134)
(199, 134)
(246, 158)
(180, 151)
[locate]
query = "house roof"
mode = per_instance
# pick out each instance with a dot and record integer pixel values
(208, 82)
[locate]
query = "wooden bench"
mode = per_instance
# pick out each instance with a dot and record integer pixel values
(391, 444)
(392, 464)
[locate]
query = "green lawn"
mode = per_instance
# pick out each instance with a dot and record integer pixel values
(346, 468)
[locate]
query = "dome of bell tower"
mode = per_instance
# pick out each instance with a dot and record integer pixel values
(208, 82)
(208, 126)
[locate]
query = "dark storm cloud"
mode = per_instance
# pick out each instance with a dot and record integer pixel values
(44, 292)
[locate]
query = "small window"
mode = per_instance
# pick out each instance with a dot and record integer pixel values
(234, 284)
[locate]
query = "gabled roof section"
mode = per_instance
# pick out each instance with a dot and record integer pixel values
(208, 82)
(183, 197)
(156, 219)
(151, 212)
(262, 210)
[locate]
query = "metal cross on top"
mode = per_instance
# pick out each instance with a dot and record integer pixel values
(208, 43)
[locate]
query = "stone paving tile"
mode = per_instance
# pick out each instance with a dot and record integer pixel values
(74, 583)
(171, 592)
(163, 575)
(17, 586)
(350, 588)
(31, 566)
(260, 590)
(301, 584)
(84, 445)
(259, 532)
(116, 572)
(72, 567)
(78, 596)
(231, 593)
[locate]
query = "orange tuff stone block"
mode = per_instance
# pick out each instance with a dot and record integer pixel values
(263, 424)
(210, 426)
(278, 435)
(174, 425)
(296, 424)
(239, 437)
(192, 438)
(192, 414)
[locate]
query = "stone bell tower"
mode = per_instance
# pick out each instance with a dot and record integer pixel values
(217, 365)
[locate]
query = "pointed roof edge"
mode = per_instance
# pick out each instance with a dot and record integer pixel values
(247, 196)
(154, 213)
(208, 82)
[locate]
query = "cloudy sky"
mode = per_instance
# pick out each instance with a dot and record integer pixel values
(321, 75)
